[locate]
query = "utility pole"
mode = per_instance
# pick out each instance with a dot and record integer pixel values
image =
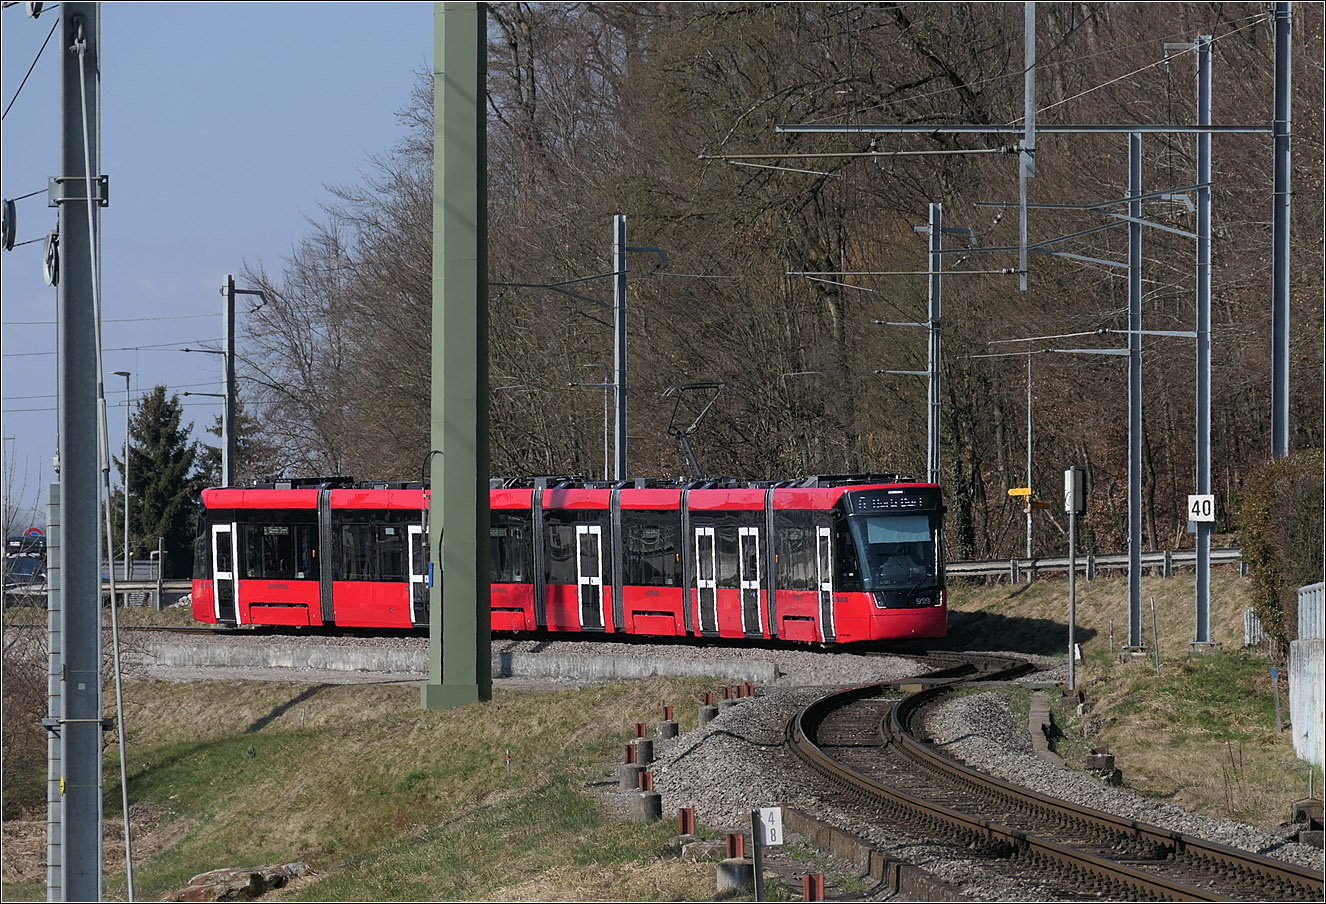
(618, 274)
(935, 301)
(1202, 637)
(79, 724)
(607, 386)
(1027, 153)
(228, 414)
(619, 250)
(935, 229)
(228, 440)
(1029, 497)
(128, 571)
(1280, 236)
(1135, 392)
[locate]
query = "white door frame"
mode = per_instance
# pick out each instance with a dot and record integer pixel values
(824, 567)
(747, 535)
(583, 580)
(229, 527)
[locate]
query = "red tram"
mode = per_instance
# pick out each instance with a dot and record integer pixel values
(824, 560)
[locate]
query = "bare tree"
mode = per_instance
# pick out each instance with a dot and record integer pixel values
(600, 109)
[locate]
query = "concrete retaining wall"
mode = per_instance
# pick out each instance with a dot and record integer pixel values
(261, 653)
(904, 879)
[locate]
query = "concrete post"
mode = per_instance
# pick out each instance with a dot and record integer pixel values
(460, 658)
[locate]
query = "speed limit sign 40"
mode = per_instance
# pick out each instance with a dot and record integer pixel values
(1201, 507)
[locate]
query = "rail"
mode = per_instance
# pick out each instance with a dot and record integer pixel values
(1138, 848)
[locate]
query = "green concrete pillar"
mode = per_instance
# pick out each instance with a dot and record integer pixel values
(459, 627)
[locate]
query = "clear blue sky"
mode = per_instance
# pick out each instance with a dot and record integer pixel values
(222, 126)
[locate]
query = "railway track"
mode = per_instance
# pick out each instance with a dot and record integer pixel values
(862, 742)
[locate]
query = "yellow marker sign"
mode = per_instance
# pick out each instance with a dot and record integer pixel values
(1020, 491)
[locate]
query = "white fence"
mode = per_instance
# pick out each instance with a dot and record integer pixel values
(1311, 609)
(1253, 634)
(1307, 677)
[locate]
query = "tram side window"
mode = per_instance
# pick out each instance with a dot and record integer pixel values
(560, 543)
(269, 551)
(306, 552)
(372, 552)
(391, 552)
(796, 549)
(509, 548)
(356, 561)
(652, 548)
(725, 527)
(562, 552)
(848, 565)
(728, 565)
(202, 550)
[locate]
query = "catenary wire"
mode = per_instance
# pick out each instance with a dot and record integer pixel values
(54, 25)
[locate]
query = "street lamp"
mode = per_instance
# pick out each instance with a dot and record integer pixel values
(128, 571)
(215, 395)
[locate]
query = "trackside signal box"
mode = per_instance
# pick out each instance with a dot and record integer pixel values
(1075, 490)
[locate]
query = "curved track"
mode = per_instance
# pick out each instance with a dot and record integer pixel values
(861, 741)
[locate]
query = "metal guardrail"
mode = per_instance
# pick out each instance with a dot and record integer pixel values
(1017, 567)
(141, 571)
(138, 592)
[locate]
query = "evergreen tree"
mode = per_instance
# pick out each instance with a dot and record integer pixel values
(163, 483)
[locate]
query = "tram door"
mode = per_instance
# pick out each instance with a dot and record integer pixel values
(748, 559)
(224, 554)
(418, 574)
(706, 579)
(589, 544)
(824, 564)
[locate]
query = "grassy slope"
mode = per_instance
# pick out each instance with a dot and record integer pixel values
(1202, 735)
(392, 802)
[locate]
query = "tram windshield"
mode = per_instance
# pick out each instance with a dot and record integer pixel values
(896, 551)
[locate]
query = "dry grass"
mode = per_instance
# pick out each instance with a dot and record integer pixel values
(1203, 734)
(391, 801)
(1034, 617)
(659, 880)
(386, 800)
